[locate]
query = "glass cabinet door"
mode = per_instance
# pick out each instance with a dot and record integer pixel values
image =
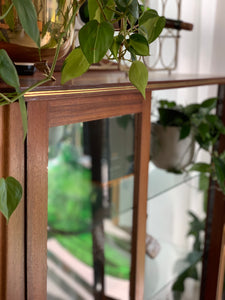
(90, 200)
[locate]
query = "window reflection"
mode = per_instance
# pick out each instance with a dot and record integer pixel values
(90, 196)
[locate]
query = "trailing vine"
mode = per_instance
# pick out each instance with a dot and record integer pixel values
(99, 37)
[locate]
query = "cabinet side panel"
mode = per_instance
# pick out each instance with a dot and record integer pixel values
(12, 272)
(214, 223)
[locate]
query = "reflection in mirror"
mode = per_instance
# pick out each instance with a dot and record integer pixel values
(90, 199)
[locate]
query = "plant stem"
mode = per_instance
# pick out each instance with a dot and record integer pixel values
(102, 10)
(6, 13)
(115, 11)
(60, 40)
(6, 98)
(49, 76)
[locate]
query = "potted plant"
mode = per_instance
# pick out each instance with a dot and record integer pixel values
(139, 27)
(180, 130)
(179, 133)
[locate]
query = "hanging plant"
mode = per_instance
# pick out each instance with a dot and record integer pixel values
(97, 38)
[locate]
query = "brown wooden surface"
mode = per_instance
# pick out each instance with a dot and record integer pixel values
(220, 285)
(37, 200)
(214, 223)
(99, 79)
(79, 109)
(12, 277)
(88, 98)
(142, 150)
(117, 79)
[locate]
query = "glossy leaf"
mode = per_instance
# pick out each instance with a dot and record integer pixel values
(28, 18)
(220, 172)
(196, 226)
(74, 66)
(201, 167)
(133, 54)
(191, 109)
(138, 75)
(122, 3)
(10, 195)
(8, 71)
(185, 131)
(151, 25)
(209, 103)
(23, 112)
(109, 9)
(95, 39)
(130, 6)
(9, 74)
(139, 43)
(8, 12)
(95, 12)
(117, 41)
(133, 9)
(172, 117)
(92, 10)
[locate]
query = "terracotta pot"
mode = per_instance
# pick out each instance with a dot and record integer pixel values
(167, 150)
(21, 48)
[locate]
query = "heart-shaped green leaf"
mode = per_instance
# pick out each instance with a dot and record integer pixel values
(95, 39)
(151, 25)
(10, 195)
(138, 75)
(9, 74)
(117, 41)
(74, 66)
(28, 18)
(139, 43)
(8, 71)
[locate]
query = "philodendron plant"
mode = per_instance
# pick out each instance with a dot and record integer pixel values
(99, 37)
(199, 121)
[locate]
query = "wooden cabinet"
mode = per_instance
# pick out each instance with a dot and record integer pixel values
(94, 96)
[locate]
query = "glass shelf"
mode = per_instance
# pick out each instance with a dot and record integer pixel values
(165, 268)
(71, 186)
(160, 181)
(168, 222)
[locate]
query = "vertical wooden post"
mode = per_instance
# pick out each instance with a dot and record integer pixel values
(214, 223)
(37, 200)
(220, 284)
(12, 272)
(142, 151)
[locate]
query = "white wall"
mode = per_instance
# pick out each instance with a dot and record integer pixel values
(201, 51)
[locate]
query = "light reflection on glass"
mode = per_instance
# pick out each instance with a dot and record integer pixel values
(89, 238)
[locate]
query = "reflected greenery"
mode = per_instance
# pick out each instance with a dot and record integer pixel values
(71, 196)
(69, 192)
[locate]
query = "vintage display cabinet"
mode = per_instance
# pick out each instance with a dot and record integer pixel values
(94, 96)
